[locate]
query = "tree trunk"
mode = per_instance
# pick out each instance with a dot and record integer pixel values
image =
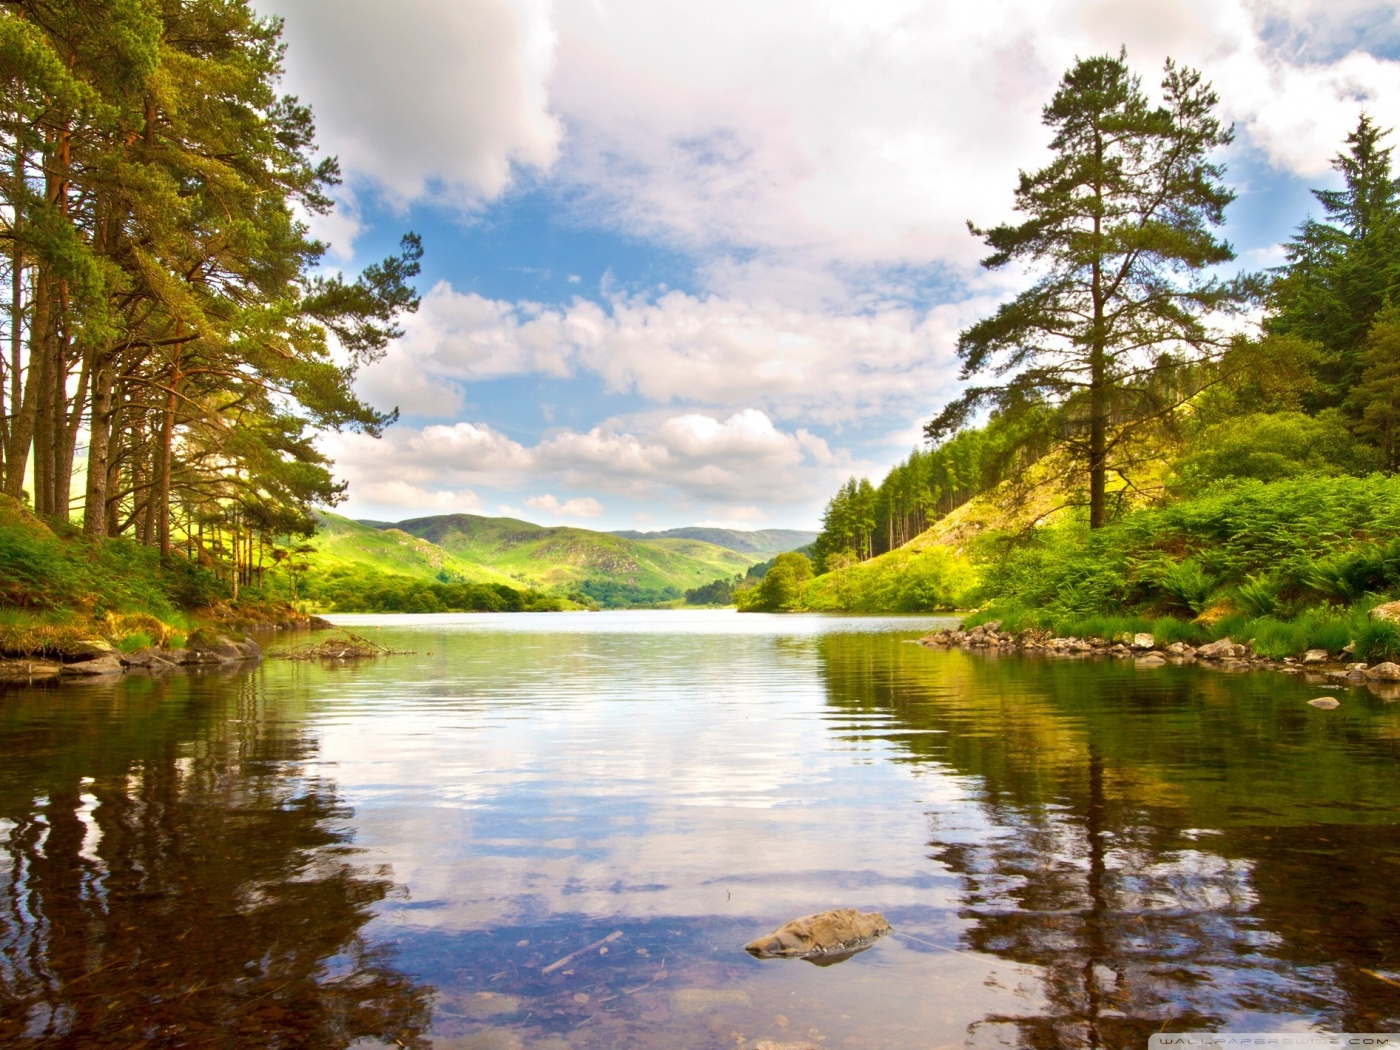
(100, 427)
(164, 455)
(41, 368)
(1098, 372)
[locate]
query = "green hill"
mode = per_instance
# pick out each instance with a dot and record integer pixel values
(341, 543)
(566, 557)
(765, 543)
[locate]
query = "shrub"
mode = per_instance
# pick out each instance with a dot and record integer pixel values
(1378, 641)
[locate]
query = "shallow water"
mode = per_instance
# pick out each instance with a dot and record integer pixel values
(1071, 853)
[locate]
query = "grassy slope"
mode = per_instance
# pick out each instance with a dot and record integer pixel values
(342, 543)
(557, 557)
(763, 543)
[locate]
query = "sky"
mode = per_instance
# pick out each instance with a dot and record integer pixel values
(700, 263)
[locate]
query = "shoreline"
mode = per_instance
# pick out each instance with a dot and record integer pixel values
(1223, 655)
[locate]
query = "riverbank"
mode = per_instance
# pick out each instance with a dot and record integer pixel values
(1222, 655)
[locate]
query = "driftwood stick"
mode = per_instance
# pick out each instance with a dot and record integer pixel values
(574, 955)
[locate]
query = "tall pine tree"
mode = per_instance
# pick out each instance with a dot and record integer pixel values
(1120, 228)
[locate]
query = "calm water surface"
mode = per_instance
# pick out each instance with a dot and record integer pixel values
(402, 852)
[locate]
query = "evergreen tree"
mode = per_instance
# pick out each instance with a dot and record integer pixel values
(162, 289)
(1120, 226)
(1343, 269)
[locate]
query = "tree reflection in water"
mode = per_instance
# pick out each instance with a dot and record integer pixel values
(1173, 850)
(173, 876)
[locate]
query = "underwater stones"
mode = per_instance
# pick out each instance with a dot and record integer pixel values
(689, 1002)
(1327, 703)
(841, 932)
(100, 665)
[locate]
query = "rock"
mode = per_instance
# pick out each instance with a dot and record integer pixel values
(1316, 656)
(768, 1044)
(1151, 660)
(1327, 703)
(89, 647)
(1180, 649)
(1386, 672)
(1143, 640)
(1357, 666)
(151, 659)
(98, 666)
(687, 1002)
(1221, 650)
(29, 670)
(1390, 611)
(992, 625)
(840, 932)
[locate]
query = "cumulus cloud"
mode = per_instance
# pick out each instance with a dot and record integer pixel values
(868, 132)
(845, 130)
(583, 507)
(731, 464)
(401, 494)
(441, 98)
(814, 365)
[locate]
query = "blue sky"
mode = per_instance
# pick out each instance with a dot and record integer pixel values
(698, 264)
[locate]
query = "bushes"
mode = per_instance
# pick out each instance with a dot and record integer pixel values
(1274, 447)
(1270, 549)
(901, 581)
(783, 587)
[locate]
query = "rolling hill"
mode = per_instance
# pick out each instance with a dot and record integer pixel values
(565, 556)
(764, 543)
(610, 569)
(341, 543)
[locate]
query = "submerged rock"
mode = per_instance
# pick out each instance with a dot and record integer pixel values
(1327, 703)
(99, 666)
(687, 1002)
(840, 933)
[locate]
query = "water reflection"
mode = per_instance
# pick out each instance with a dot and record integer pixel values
(1171, 851)
(171, 876)
(587, 820)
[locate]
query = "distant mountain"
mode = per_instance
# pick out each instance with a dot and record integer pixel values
(560, 557)
(764, 542)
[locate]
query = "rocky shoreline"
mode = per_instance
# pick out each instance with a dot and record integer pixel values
(1223, 655)
(96, 658)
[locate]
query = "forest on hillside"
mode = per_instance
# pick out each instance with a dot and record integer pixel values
(1162, 440)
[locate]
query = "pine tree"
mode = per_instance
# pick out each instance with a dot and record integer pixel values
(1120, 227)
(1342, 270)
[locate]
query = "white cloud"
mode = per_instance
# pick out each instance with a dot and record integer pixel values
(415, 498)
(817, 365)
(870, 132)
(584, 507)
(439, 98)
(729, 464)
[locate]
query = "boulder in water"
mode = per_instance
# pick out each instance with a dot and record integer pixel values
(828, 936)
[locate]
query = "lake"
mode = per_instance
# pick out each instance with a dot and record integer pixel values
(557, 832)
